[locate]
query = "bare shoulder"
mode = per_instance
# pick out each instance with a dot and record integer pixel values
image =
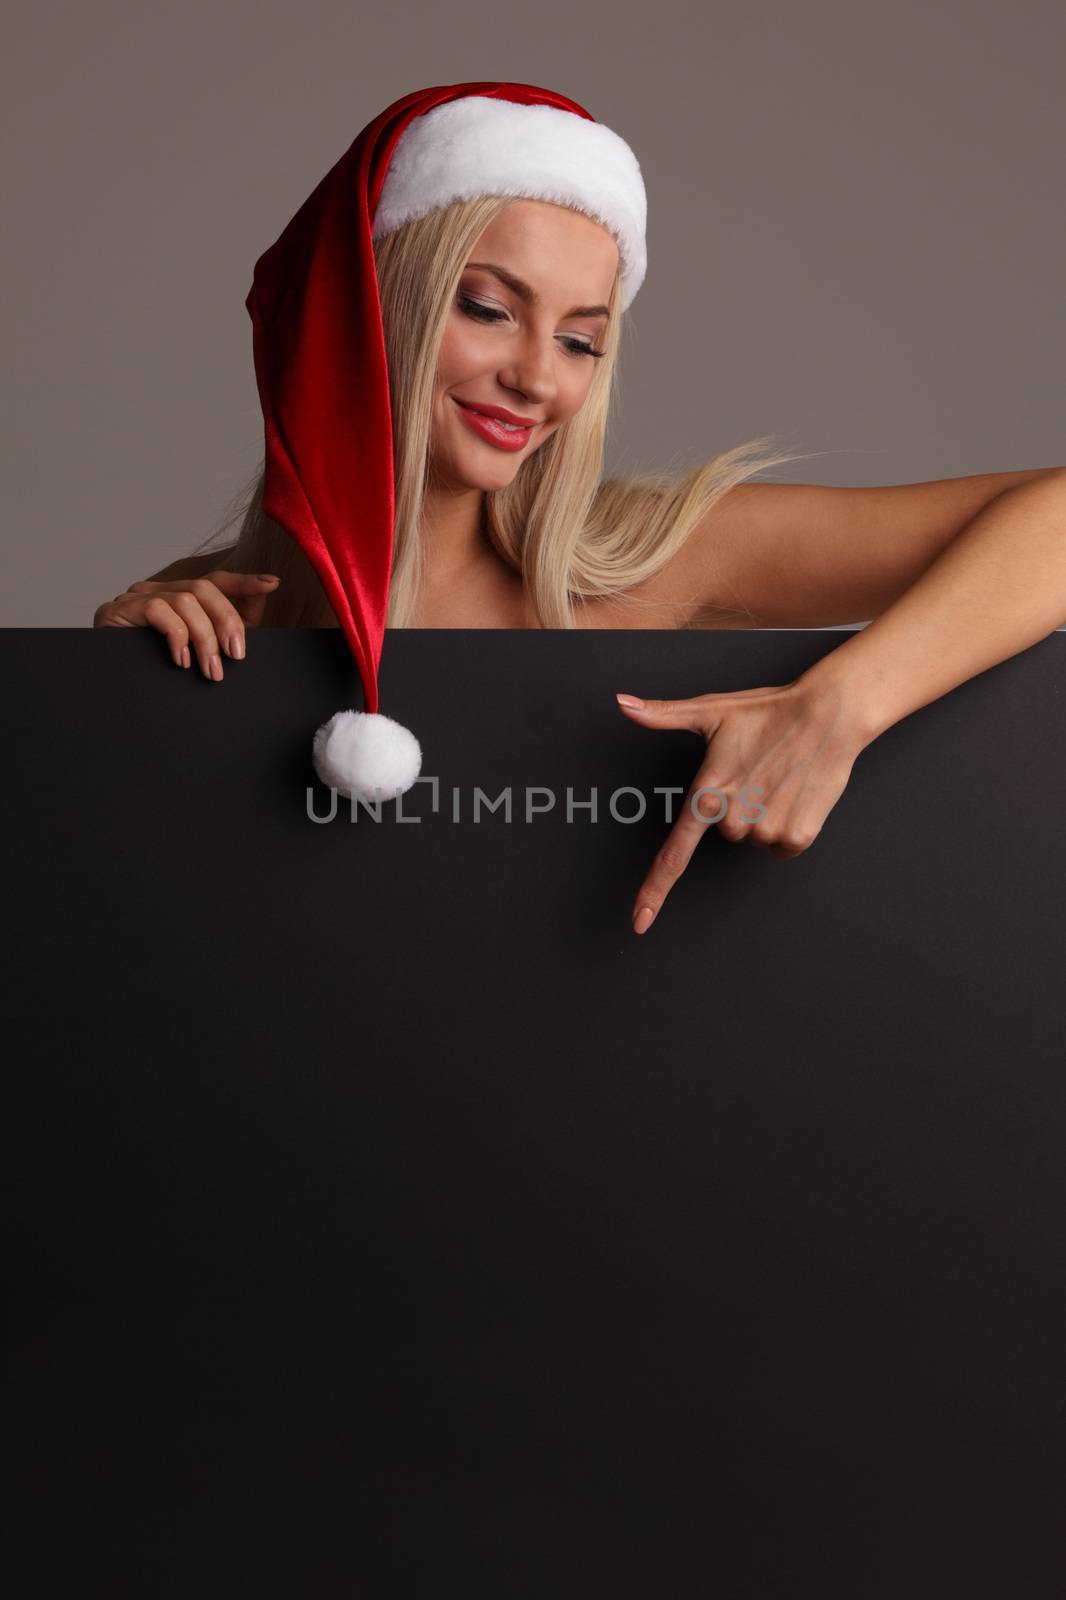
(685, 592)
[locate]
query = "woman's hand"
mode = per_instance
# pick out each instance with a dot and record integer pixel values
(206, 610)
(778, 760)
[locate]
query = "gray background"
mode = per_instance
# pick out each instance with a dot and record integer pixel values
(856, 238)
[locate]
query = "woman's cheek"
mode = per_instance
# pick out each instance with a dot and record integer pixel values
(579, 398)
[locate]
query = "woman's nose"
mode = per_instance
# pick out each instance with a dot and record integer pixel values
(532, 371)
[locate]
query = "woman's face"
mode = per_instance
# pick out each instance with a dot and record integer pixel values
(522, 350)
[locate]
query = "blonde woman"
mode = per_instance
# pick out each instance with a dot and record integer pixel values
(502, 318)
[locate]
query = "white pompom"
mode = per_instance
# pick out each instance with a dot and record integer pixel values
(366, 756)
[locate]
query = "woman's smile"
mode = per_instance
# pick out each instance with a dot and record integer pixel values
(494, 431)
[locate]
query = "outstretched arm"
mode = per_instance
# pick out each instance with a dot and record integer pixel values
(786, 752)
(998, 587)
(812, 555)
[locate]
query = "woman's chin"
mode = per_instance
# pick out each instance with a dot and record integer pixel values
(490, 475)
(483, 470)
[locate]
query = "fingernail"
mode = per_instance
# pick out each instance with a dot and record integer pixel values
(236, 647)
(186, 659)
(266, 577)
(216, 668)
(630, 700)
(643, 919)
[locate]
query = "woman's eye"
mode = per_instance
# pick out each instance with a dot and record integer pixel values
(480, 313)
(474, 308)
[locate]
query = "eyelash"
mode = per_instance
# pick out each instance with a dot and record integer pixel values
(480, 313)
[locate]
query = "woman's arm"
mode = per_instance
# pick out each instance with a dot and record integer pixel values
(808, 555)
(998, 588)
(786, 752)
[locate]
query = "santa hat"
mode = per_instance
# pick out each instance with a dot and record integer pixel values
(319, 347)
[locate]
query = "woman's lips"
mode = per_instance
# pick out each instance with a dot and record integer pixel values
(493, 432)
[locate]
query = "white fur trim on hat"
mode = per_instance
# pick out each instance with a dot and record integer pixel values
(477, 145)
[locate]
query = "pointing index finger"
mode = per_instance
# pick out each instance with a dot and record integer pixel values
(675, 854)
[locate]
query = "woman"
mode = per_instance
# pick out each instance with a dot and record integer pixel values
(514, 306)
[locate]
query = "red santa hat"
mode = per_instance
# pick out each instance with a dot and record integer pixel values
(319, 347)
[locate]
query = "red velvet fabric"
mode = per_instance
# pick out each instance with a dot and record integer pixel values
(321, 372)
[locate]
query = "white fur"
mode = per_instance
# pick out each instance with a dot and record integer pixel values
(480, 146)
(366, 756)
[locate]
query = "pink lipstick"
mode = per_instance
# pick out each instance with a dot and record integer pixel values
(490, 424)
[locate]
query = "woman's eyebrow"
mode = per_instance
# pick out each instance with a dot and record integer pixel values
(530, 296)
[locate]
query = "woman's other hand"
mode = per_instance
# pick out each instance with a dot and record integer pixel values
(210, 612)
(777, 761)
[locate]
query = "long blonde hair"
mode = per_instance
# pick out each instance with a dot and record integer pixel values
(574, 536)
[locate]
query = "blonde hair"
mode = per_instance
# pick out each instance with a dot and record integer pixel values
(572, 535)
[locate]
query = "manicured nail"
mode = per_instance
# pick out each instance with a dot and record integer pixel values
(643, 919)
(186, 659)
(236, 647)
(216, 668)
(630, 700)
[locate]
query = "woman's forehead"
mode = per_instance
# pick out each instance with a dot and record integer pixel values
(537, 220)
(553, 249)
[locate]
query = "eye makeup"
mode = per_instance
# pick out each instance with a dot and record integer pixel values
(479, 312)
